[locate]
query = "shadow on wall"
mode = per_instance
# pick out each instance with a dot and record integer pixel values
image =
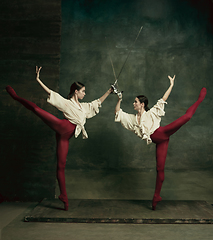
(30, 178)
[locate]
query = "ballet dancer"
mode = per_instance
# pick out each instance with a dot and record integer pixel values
(146, 125)
(75, 114)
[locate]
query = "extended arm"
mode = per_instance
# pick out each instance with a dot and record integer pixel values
(167, 93)
(106, 94)
(46, 89)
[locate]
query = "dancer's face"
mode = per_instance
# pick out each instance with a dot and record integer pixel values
(81, 93)
(138, 106)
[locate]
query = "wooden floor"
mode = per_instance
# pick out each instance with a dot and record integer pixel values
(123, 211)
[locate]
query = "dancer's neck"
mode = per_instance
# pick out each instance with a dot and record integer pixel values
(75, 98)
(140, 112)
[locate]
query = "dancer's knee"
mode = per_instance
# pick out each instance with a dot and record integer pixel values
(187, 116)
(160, 175)
(61, 166)
(36, 109)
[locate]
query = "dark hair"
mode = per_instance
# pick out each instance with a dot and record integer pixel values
(75, 86)
(144, 99)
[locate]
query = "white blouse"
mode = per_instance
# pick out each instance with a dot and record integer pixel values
(73, 112)
(149, 121)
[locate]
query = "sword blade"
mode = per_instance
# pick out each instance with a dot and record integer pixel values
(129, 52)
(111, 62)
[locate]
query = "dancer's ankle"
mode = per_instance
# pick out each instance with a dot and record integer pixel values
(156, 196)
(64, 199)
(202, 94)
(155, 200)
(11, 91)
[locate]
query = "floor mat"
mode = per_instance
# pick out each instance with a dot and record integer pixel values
(122, 211)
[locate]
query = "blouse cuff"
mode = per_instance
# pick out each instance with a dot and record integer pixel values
(96, 105)
(49, 97)
(99, 103)
(118, 116)
(53, 98)
(162, 101)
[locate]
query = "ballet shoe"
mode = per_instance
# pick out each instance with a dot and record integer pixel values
(11, 91)
(65, 201)
(202, 94)
(155, 201)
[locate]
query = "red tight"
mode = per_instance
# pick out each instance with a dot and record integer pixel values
(64, 131)
(161, 138)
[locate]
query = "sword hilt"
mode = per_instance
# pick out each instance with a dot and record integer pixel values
(116, 91)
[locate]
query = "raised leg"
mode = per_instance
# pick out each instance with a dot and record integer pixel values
(64, 131)
(161, 138)
(177, 124)
(53, 122)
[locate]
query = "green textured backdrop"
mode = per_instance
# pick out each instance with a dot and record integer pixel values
(176, 39)
(113, 163)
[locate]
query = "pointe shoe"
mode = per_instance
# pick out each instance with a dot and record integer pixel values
(65, 201)
(202, 94)
(11, 91)
(155, 201)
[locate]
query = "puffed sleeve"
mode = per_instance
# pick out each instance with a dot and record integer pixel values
(158, 108)
(126, 120)
(57, 101)
(92, 108)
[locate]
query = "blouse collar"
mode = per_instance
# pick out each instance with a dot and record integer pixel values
(136, 116)
(76, 104)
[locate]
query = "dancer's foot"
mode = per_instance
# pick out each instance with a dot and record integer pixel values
(29, 105)
(202, 94)
(11, 91)
(155, 201)
(65, 201)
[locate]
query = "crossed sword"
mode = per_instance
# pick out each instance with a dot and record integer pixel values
(115, 89)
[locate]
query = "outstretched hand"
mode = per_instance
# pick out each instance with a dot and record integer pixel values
(172, 80)
(46, 89)
(167, 93)
(37, 72)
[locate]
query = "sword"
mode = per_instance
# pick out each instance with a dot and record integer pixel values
(129, 53)
(111, 60)
(115, 89)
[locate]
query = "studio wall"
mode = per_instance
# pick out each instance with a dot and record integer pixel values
(30, 33)
(176, 39)
(68, 39)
